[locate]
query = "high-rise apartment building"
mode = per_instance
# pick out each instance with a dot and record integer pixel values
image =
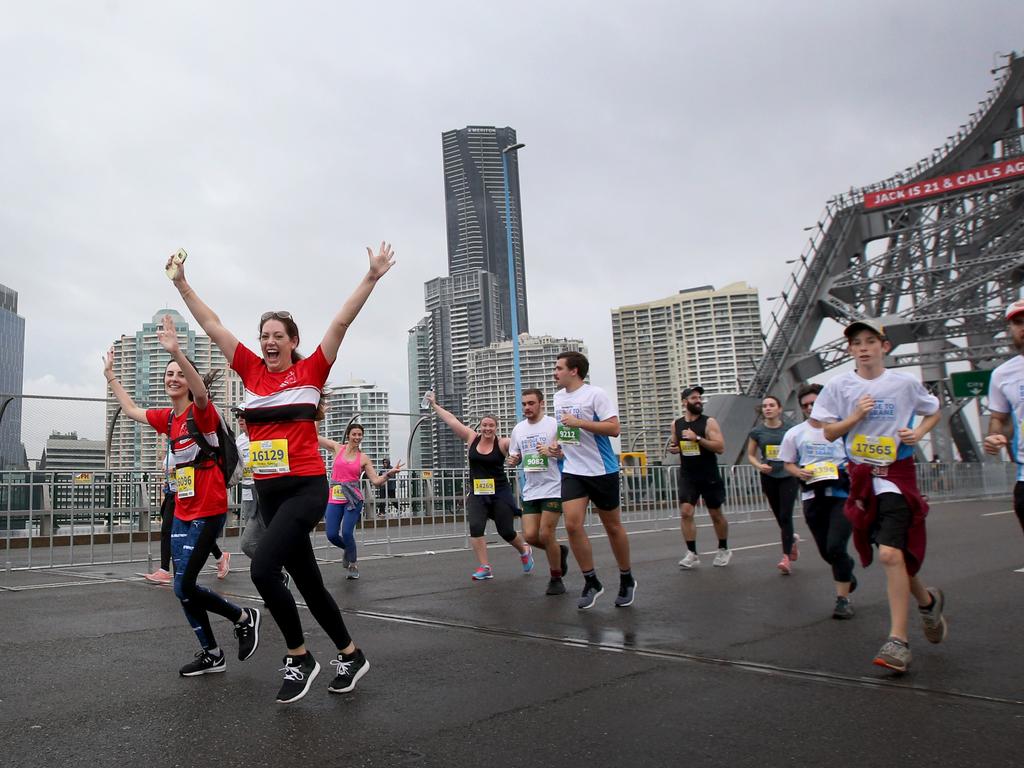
(490, 386)
(697, 336)
(139, 364)
(464, 312)
(420, 454)
(474, 192)
(12, 373)
(368, 405)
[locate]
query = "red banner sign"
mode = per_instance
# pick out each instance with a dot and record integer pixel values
(1004, 170)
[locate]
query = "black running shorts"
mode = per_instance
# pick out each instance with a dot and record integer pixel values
(602, 490)
(711, 489)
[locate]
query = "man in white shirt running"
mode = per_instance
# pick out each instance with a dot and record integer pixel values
(529, 446)
(1006, 403)
(587, 420)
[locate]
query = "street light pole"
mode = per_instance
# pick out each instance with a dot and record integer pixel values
(516, 375)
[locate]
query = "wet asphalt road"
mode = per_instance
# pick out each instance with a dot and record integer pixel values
(728, 666)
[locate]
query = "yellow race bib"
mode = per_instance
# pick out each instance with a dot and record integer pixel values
(873, 449)
(483, 487)
(185, 479)
(338, 494)
(269, 457)
(823, 470)
(689, 447)
(771, 453)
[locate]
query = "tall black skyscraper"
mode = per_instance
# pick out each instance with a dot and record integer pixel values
(471, 306)
(474, 194)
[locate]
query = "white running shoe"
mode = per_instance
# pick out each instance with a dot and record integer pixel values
(722, 557)
(690, 560)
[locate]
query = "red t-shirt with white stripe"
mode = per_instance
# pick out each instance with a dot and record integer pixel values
(200, 488)
(279, 407)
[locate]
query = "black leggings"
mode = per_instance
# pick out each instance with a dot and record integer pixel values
(166, 523)
(781, 493)
(291, 507)
(831, 531)
(500, 507)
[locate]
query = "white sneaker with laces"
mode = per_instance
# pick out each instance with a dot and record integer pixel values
(690, 560)
(722, 557)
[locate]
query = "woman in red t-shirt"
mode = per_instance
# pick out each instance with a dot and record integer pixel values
(282, 392)
(201, 505)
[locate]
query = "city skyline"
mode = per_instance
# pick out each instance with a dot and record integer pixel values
(275, 190)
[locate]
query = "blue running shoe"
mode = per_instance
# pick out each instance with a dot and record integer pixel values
(527, 559)
(482, 572)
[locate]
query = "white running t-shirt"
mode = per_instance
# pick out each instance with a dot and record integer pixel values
(873, 440)
(543, 477)
(586, 454)
(806, 446)
(1006, 395)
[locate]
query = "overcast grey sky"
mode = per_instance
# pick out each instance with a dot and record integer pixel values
(669, 144)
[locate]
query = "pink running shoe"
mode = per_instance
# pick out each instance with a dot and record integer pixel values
(159, 576)
(223, 565)
(783, 566)
(794, 552)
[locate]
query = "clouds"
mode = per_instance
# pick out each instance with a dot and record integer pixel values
(668, 145)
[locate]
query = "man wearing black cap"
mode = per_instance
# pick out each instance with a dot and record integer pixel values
(874, 409)
(1006, 403)
(698, 440)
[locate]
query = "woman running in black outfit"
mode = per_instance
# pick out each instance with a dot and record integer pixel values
(490, 495)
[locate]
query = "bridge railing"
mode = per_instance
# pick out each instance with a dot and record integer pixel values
(61, 519)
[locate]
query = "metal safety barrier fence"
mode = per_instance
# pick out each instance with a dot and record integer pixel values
(60, 519)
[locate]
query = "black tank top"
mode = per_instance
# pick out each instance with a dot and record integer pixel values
(487, 465)
(705, 463)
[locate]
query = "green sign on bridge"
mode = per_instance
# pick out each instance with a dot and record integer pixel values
(970, 383)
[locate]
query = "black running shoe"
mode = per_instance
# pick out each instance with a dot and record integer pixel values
(591, 591)
(349, 672)
(248, 634)
(203, 664)
(555, 587)
(565, 558)
(299, 674)
(843, 609)
(627, 593)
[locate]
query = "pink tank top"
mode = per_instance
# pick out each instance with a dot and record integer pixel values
(347, 471)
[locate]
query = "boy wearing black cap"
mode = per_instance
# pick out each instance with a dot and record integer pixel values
(698, 440)
(873, 409)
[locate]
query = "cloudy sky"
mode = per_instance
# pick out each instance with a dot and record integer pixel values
(669, 144)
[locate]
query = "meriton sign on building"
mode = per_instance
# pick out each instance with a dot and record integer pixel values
(1002, 171)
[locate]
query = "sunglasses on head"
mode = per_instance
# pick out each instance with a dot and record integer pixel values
(275, 316)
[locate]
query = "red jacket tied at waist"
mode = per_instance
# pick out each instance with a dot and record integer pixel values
(862, 508)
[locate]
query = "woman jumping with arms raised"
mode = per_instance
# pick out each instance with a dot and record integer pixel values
(282, 391)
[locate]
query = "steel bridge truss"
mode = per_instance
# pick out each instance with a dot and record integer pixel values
(938, 270)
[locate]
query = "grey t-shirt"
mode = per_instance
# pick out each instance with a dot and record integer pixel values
(768, 440)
